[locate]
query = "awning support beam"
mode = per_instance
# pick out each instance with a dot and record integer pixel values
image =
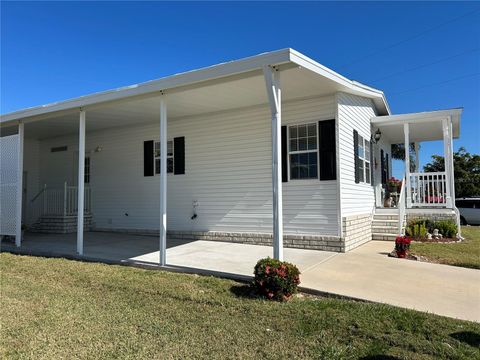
(81, 181)
(406, 133)
(272, 80)
(19, 198)
(163, 182)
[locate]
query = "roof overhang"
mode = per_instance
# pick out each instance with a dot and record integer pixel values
(423, 126)
(285, 60)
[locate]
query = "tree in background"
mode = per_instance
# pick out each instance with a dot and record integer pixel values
(398, 153)
(466, 168)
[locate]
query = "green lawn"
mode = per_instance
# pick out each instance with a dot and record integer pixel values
(54, 308)
(465, 253)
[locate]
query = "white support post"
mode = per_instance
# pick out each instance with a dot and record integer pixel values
(272, 79)
(81, 181)
(18, 230)
(417, 157)
(163, 182)
(406, 132)
(448, 160)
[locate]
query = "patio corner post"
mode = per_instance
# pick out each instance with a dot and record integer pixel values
(406, 132)
(272, 80)
(163, 181)
(18, 223)
(81, 181)
(448, 159)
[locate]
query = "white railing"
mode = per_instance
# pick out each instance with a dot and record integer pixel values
(60, 201)
(401, 208)
(428, 189)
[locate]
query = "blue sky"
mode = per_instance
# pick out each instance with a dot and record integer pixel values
(425, 56)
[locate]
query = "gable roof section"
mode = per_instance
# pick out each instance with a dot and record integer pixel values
(286, 58)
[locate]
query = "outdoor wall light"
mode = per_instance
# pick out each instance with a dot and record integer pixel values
(377, 136)
(98, 149)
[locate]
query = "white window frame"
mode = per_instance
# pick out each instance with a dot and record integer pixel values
(303, 151)
(156, 147)
(364, 159)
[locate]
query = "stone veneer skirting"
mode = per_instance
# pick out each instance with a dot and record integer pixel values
(312, 242)
(357, 230)
(433, 216)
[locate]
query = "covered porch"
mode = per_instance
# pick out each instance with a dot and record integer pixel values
(423, 191)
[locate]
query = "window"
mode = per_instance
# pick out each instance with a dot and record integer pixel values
(87, 170)
(364, 160)
(156, 156)
(303, 151)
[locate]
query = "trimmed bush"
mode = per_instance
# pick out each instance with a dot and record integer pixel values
(276, 280)
(418, 229)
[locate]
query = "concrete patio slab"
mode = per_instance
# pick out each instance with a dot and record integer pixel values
(364, 273)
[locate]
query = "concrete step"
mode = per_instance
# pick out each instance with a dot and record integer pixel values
(385, 217)
(382, 236)
(385, 222)
(386, 211)
(384, 229)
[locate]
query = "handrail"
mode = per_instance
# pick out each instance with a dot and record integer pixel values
(39, 193)
(401, 207)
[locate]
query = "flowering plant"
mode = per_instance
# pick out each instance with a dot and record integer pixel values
(402, 245)
(394, 185)
(275, 279)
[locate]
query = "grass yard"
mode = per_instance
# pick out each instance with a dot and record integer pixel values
(465, 253)
(54, 308)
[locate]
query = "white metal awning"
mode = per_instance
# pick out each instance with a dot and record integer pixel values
(226, 86)
(424, 126)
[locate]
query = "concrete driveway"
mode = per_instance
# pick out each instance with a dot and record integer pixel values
(364, 273)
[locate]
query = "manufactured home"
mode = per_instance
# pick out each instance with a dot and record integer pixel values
(274, 149)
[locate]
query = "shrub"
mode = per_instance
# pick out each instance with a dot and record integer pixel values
(275, 279)
(418, 229)
(447, 228)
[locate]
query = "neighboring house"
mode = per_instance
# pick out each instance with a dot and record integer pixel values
(320, 141)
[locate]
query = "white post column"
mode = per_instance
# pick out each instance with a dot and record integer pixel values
(417, 157)
(163, 181)
(18, 230)
(406, 132)
(272, 79)
(448, 160)
(81, 181)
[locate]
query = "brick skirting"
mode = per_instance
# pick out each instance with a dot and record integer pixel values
(357, 230)
(312, 242)
(431, 216)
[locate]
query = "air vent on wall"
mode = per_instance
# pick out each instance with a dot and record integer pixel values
(59, 148)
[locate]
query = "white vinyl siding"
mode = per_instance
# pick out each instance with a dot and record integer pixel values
(227, 170)
(354, 113)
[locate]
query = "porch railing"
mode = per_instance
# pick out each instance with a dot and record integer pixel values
(428, 189)
(60, 201)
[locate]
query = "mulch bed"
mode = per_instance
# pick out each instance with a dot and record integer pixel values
(409, 257)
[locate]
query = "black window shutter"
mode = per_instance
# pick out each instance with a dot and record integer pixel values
(284, 155)
(356, 158)
(179, 155)
(382, 167)
(148, 158)
(372, 159)
(326, 150)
